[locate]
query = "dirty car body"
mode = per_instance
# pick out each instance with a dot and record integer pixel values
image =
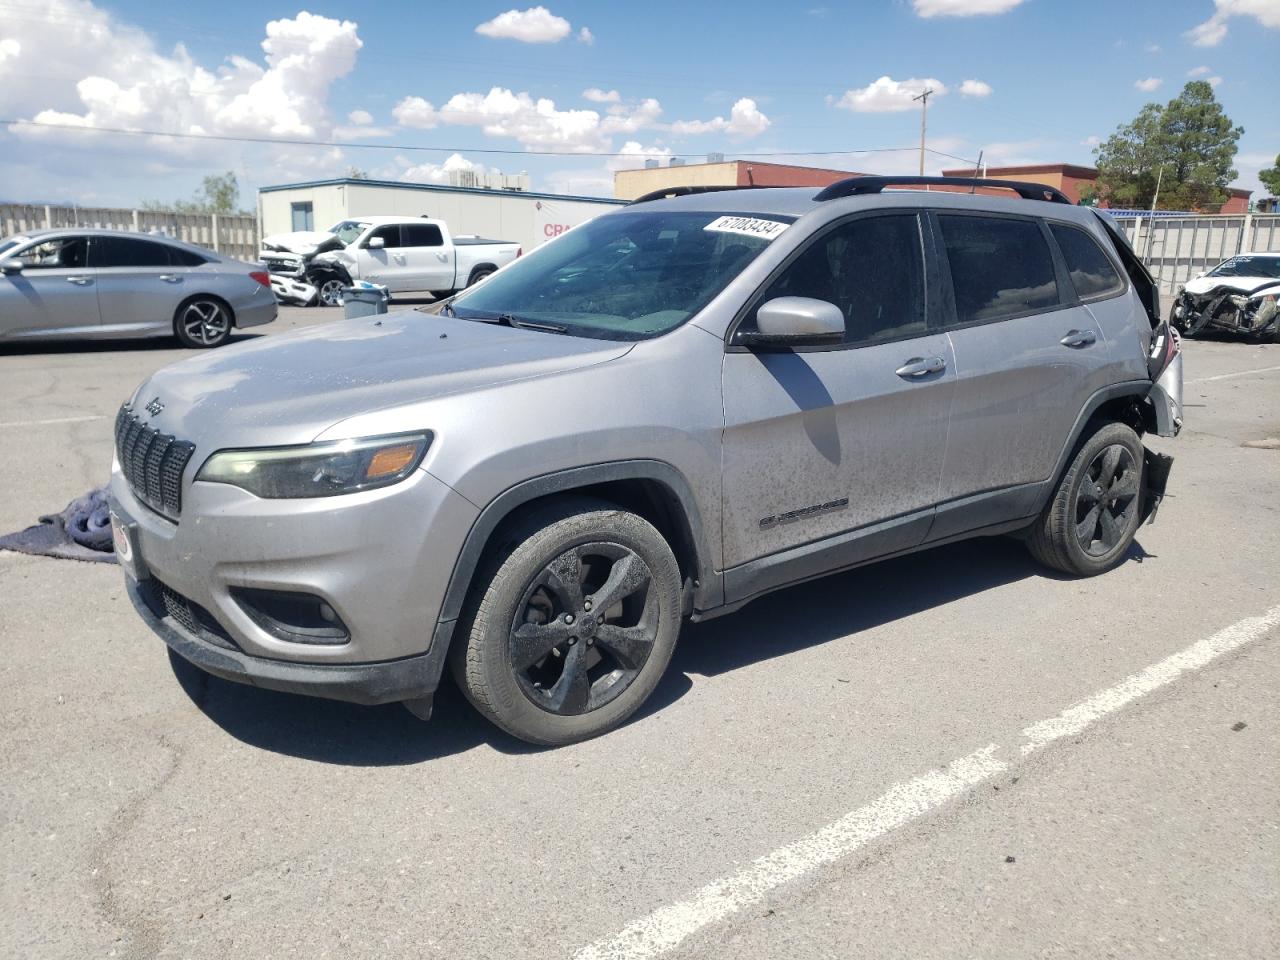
(322, 511)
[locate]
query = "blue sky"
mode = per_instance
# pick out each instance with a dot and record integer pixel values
(1022, 81)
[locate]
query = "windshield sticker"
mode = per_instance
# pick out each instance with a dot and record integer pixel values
(748, 226)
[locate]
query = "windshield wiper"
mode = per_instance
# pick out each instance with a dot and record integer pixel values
(511, 320)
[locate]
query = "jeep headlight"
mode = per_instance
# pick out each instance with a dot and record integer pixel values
(318, 469)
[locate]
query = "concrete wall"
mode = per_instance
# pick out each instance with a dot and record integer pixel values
(526, 219)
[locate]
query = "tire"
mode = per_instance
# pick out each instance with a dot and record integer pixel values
(203, 322)
(532, 656)
(479, 275)
(1094, 487)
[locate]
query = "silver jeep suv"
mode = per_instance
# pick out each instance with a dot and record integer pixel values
(667, 412)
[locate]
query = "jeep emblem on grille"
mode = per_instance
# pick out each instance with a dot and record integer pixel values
(154, 407)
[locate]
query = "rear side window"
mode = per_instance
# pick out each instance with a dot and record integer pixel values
(185, 258)
(872, 269)
(999, 268)
(421, 235)
(1091, 271)
(127, 252)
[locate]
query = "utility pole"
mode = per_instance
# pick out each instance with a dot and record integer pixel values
(924, 113)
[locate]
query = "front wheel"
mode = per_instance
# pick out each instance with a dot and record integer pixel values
(570, 631)
(202, 322)
(1095, 511)
(329, 293)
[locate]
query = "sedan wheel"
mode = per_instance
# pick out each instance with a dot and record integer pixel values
(203, 323)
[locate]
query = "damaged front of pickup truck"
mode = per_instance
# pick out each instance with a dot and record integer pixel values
(1237, 296)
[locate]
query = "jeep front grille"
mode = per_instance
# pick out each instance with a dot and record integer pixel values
(152, 462)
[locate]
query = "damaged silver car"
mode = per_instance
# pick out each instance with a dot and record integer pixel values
(1238, 295)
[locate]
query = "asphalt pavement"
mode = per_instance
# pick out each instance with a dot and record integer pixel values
(950, 754)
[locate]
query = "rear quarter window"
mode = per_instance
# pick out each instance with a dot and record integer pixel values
(1000, 267)
(1091, 270)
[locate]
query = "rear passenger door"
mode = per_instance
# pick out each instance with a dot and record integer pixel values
(428, 264)
(822, 444)
(1028, 355)
(140, 284)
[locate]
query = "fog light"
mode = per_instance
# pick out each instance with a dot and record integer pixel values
(293, 617)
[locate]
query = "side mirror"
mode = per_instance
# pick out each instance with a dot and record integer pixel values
(376, 243)
(10, 266)
(795, 322)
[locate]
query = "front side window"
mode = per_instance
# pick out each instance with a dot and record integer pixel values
(872, 269)
(348, 230)
(127, 252)
(1091, 270)
(626, 276)
(999, 267)
(62, 253)
(390, 235)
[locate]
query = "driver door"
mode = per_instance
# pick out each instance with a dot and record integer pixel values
(55, 293)
(383, 264)
(833, 454)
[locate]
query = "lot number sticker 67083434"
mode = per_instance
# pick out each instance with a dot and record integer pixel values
(748, 226)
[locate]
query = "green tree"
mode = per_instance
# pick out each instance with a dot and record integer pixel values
(355, 173)
(1187, 145)
(1270, 178)
(218, 193)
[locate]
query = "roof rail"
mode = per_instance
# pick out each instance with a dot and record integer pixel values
(686, 191)
(854, 186)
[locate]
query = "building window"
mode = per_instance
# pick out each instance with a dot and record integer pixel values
(303, 216)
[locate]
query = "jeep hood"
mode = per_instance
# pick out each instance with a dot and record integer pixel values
(289, 388)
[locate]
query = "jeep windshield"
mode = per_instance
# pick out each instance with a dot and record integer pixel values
(1248, 267)
(625, 276)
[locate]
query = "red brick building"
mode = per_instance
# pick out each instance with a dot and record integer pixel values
(629, 184)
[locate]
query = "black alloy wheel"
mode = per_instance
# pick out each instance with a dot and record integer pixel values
(584, 628)
(1106, 500)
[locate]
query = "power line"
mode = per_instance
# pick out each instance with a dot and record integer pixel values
(280, 141)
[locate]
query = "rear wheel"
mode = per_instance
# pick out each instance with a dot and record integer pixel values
(202, 322)
(571, 631)
(479, 275)
(1095, 511)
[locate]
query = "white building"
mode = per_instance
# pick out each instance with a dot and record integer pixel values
(519, 216)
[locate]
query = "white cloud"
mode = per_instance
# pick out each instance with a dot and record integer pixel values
(9, 48)
(596, 95)
(535, 123)
(1199, 71)
(415, 112)
(975, 88)
(745, 120)
(361, 118)
(1214, 30)
(1213, 81)
(962, 8)
(1092, 141)
(434, 172)
(1152, 48)
(1149, 84)
(535, 25)
(887, 95)
(586, 36)
(633, 155)
(631, 118)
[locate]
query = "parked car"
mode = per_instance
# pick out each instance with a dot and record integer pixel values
(94, 284)
(1238, 295)
(666, 413)
(404, 254)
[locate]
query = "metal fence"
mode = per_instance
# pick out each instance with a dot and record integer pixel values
(233, 235)
(1176, 249)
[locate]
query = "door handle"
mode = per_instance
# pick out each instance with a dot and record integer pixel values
(918, 367)
(444, 257)
(80, 281)
(170, 278)
(1079, 338)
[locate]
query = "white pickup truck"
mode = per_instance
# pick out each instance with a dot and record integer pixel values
(404, 254)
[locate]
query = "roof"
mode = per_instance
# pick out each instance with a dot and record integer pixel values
(1069, 169)
(433, 188)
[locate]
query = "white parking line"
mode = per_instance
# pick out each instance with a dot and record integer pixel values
(668, 926)
(45, 423)
(1228, 376)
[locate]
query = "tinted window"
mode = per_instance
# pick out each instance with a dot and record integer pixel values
(627, 275)
(64, 253)
(390, 235)
(185, 258)
(127, 252)
(872, 269)
(303, 216)
(999, 268)
(421, 235)
(1091, 271)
